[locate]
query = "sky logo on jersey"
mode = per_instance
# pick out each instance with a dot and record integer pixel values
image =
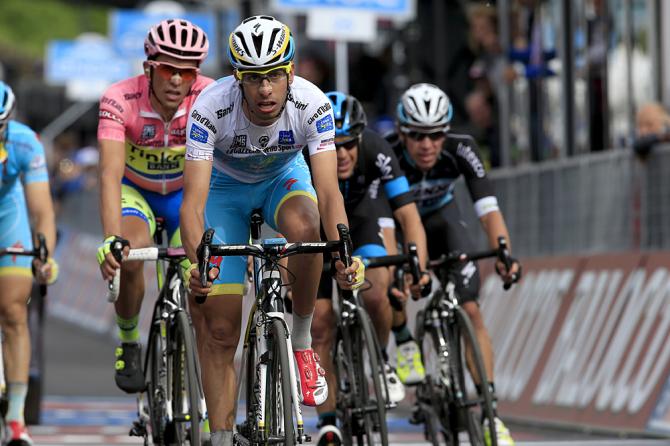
(198, 133)
(324, 124)
(286, 137)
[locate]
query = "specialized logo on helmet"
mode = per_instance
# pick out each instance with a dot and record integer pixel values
(280, 42)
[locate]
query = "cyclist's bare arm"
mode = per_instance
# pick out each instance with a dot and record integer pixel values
(192, 214)
(331, 203)
(494, 225)
(112, 164)
(41, 211)
(110, 171)
(413, 231)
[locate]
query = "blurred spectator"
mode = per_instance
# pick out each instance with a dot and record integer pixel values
(315, 69)
(533, 47)
(597, 24)
(491, 72)
(480, 108)
(652, 127)
(76, 172)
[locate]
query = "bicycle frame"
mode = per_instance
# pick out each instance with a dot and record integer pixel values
(268, 306)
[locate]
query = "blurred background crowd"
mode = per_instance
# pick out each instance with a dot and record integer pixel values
(534, 81)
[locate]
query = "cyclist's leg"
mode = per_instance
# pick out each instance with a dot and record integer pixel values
(218, 322)
(291, 208)
(15, 285)
(137, 224)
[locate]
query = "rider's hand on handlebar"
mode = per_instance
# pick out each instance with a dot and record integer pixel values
(417, 289)
(509, 276)
(46, 273)
(355, 272)
(193, 280)
(108, 263)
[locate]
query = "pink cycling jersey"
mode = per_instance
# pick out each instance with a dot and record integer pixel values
(154, 148)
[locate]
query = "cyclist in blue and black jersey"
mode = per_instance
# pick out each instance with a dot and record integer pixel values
(371, 181)
(24, 198)
(433, 159)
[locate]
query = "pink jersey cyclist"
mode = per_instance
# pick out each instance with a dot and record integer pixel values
(154, 148)
(141, 135)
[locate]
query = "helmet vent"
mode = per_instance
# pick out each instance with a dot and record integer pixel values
(258, 43)
(273, 38)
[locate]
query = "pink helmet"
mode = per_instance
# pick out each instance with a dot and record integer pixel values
(177, 38)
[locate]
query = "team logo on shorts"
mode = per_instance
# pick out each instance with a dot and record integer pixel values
(263, 141)
(148, 131)
(286, 137)
(198, 133)
(324, 124)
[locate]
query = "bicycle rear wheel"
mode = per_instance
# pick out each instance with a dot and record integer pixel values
(475, 408)
(155, 371)
(362, 404)
(278, 402)
(185, 426)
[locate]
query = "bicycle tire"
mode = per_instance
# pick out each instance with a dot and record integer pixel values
(279, 405)
(434, 392)
(362, 405)
(185, 424)
(155, 392)
(471, 419)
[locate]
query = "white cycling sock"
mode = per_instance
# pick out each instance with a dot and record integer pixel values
(16, 394)
(301, 336)
(222, 438)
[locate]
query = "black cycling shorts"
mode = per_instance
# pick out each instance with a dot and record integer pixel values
(364, 229)
(446, 232)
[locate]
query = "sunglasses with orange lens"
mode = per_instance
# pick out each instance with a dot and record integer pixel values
(166, 71)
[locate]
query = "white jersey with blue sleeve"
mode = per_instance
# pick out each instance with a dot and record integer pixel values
(218, 130)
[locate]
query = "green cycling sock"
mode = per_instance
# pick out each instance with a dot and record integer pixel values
(129, 330)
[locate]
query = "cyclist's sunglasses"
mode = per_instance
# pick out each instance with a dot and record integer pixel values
(167, 70)
(419, 136)
(273, 75)
(348, 145)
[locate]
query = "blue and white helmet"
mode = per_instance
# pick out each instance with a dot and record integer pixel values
(424, 106)
(350, 120)
(260, 42)
(6, 101)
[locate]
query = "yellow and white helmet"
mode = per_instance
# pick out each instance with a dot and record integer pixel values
(260, 42)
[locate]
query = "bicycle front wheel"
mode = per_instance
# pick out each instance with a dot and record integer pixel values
(475, 408)
(185, 427)
(362, 400)
(279, 403)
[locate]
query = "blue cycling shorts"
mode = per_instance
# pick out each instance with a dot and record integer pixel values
(229, 206)
(148, 205)
(15, 231)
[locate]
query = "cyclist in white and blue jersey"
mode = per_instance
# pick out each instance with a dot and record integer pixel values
(24, 197)
(245, 136)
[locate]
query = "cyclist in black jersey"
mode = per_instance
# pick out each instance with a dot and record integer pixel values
(433, 159)
(368, 173)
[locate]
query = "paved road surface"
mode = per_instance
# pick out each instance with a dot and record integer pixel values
(83, 406)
